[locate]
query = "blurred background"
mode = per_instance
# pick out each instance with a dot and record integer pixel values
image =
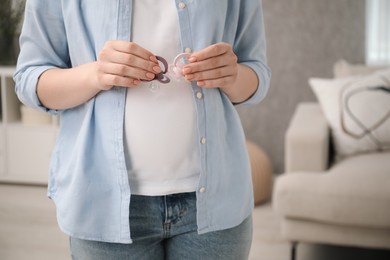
(305, 39)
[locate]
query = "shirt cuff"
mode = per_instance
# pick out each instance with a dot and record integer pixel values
(26, 88)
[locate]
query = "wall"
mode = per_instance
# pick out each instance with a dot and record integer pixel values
(304, 38)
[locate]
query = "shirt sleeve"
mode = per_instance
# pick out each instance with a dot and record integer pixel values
(250, 46)
(43, 46)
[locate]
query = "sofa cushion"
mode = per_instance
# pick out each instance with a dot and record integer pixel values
(356, 191)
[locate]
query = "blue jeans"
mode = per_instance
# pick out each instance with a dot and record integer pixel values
(164, 227)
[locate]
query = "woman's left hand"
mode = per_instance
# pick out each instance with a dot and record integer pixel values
(212, 67)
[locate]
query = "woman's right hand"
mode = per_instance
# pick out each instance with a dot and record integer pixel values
(120, 63)
(123, 63)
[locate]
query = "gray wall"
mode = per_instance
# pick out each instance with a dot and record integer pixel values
(305, 38)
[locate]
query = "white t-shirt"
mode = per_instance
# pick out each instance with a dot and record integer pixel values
(160, 119)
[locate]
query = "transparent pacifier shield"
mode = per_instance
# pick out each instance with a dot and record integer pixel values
(175, 69)
(154, 86)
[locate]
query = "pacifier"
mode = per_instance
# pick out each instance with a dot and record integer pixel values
(154, 86)
(179, 62)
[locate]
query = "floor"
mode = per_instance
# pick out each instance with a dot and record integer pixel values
(28, 230)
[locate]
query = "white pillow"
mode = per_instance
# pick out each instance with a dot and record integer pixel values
(358, 111)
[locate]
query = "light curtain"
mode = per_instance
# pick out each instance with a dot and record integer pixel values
(378, 32)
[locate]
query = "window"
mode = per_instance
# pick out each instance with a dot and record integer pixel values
(377, 32)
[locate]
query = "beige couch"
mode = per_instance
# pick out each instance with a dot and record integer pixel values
(343, 203)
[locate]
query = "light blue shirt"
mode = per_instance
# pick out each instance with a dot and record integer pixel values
(88, 176)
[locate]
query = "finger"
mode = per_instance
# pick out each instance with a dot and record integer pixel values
(133, 61)
(126, 71)
(215, 83)
(132, 48)
(110, 80)
(211, 74)
(226, 59)
(211, 51)
(212, 63)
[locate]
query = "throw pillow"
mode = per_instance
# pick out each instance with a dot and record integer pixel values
(358, 111)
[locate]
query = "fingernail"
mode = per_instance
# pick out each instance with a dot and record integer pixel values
(150, 75)
(192, 59)
(186, 70)
(189, 76)
(136, 82)
(157, 69)
(200, 83)
(153, 58)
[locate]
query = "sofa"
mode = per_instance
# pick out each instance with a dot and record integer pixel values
(329, 199)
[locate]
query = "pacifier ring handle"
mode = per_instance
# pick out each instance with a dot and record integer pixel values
(183, 56)
(164, 62)
(178, 64)
(161, 76)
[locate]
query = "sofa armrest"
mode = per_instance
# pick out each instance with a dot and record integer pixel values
(307, 140)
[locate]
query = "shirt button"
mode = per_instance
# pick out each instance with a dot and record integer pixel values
(202, 190)
(182, 5)
(187, 50)
(203, 140)
(199, 95)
